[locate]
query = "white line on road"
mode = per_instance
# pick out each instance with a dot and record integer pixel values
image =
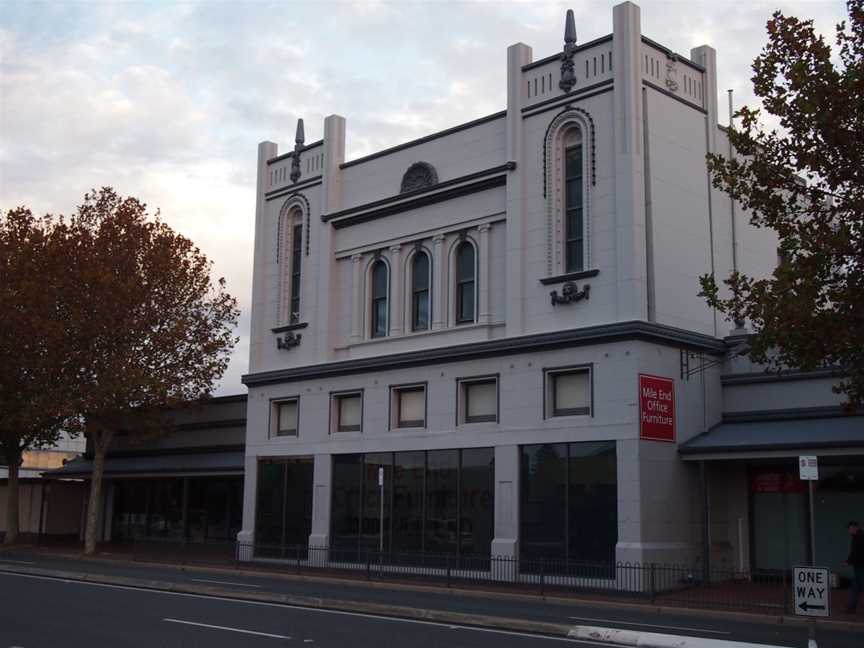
(219, 582)
(649, 625)
(144, 590)
(217, 627)
(17, 562)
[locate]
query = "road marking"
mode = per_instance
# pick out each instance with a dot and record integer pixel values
(217, 627)
(649, 625)
(17, 562)
(144, 590)
(219, 582)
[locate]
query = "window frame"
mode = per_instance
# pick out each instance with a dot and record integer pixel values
(273, 424)
(459, 284)
(569, 236)
(373, 300)
(462, 389)
(296, 271)
(415, 292)
(336, 412)
(396, 406)
(549, 392)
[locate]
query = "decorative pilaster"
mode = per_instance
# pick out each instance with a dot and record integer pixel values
(396, 315)
(438, 270)
(484, 265)
(356, 298)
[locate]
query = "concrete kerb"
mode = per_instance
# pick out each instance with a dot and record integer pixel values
(653, 640)
(695, 613)
(354, 607)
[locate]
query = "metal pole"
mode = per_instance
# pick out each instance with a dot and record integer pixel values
(381, 518)
(812, 525)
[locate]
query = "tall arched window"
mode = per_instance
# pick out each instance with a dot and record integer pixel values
(574, 203)
(379, 281)
(420, 291)
(465, 283)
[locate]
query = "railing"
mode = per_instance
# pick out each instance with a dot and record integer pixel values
(660, 584)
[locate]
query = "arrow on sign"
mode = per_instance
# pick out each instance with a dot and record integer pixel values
(809, 606)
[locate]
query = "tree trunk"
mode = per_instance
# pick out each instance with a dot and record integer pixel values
(13, 462)
(101, 441)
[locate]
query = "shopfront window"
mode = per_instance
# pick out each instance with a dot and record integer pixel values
(284, 504)
(570, 501)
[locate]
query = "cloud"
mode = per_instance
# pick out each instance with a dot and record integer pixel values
(168, 102)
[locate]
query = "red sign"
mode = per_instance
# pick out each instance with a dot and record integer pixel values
(775, 481)
(656, 408)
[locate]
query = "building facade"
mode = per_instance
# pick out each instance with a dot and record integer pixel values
(499, 320)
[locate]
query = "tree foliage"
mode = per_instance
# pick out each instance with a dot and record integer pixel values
(34, 402)
(805, 180)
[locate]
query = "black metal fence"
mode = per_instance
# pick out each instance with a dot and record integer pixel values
(660, 584)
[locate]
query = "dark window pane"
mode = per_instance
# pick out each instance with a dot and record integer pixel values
(593, 502)
(379, 318)
(544, 508)
(442, 482)
(421, 271)
(465, 262)
(421, 310)
(345, 511)
(379, 280)
(270, 503)
(573, 164)
(465, 283)
(408, 472)
(477, 511)
(574, 203)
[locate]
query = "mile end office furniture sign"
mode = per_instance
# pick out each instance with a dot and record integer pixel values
(656, 408)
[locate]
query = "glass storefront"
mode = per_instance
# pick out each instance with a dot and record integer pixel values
(198, 509)
(569, 501)
(284, 506)
(437, 501)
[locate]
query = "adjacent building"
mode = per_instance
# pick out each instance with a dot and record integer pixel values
(499, 321)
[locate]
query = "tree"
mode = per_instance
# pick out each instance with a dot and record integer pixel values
(805, 180)
(33, 401)
(151, 328)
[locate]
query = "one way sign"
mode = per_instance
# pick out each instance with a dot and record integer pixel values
(812, 591)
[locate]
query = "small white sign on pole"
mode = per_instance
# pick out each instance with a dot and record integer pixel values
(812, 591)
(380, 475)
(808, 468)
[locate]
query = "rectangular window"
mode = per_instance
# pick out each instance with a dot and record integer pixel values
(296, 258)
(408, 406)
(286, 415)
(573, 209)
(568, 392)
(349, 412)
(479, 400)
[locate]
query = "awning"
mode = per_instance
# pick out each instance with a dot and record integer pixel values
(786, 437)
(216, 463)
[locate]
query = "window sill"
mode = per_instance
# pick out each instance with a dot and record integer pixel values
(570, 276)
(420, 334)
(290, 327)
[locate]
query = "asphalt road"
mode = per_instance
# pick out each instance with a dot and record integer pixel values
(710, 626)
(36, 612)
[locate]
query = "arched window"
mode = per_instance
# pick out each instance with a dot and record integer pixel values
(465, 283)
(379, 286)
(289, 255)
(420, 291)
(574, 203)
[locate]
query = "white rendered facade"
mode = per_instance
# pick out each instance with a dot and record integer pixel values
(644, 119)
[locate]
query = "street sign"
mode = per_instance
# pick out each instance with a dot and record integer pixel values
(808, 467)
(812, 591)
(380, 475)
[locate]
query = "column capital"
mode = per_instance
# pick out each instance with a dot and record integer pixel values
(438, 239)
(356, 258)
(484, 227)
(395, 249)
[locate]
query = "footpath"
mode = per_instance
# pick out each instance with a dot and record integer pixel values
(617, 623)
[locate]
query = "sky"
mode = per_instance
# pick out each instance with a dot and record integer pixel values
(167, 101)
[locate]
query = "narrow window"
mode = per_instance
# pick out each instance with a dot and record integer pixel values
(573, 208)
(568, 392)
(479, 401)
(379, 299)
(296, 256)
(286, 417)
(349, 412)
(420, 292)
(409, 406)
(465, 283)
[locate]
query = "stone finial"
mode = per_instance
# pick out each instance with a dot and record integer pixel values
(568, 68)
(299, 138)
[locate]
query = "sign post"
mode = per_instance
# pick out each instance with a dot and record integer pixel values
(808, 470)
(381, 518)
